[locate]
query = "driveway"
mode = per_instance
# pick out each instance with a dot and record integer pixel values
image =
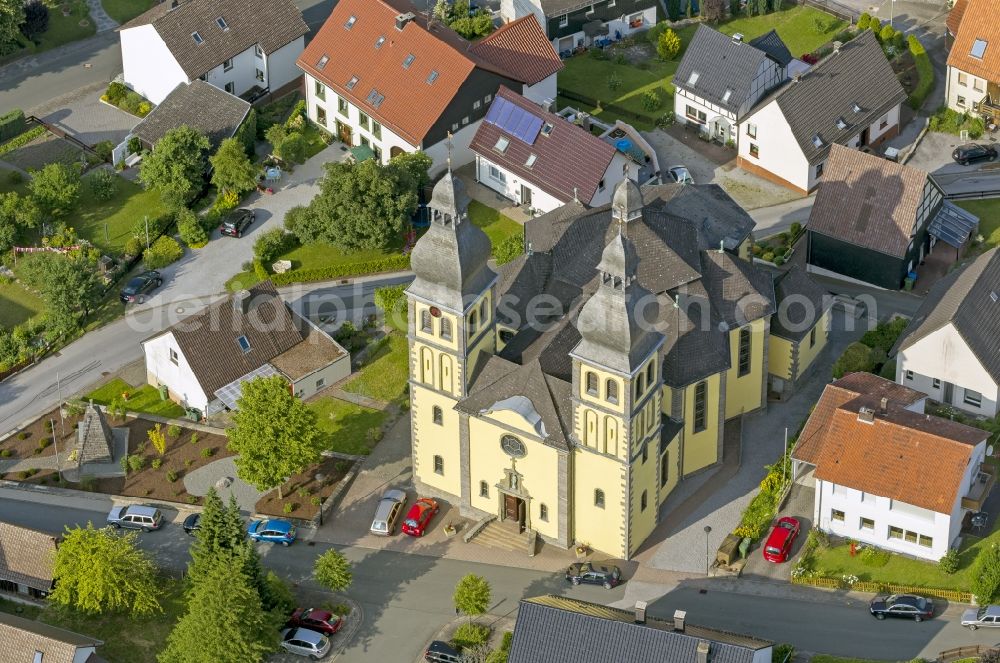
(82, 114)
(799, 505)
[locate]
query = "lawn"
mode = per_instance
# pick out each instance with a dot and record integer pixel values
(316, 139)
(346, 424)
(108, 223)
(826, 658)
(62, 29)
(803, 29)
(988, 212)
(384, 375)
(126, 10)
(17, 305)
(496, 226)
(143, 399)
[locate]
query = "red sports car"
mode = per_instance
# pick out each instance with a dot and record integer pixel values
(779, 542)
(316, 620)
(420, 516)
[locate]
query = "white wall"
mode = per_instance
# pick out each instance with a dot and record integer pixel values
(968, 92)
(511, 10)
(612, 176)
(280, 68)
(542, 90)
(779, 151)
(461, 153)
(179, 377)
(148, 66)
(82, 654)
(891, 118)
(618, 25)
(509, 186)
(684, 98)
(307, 386)
(944, 355)
(243, 74)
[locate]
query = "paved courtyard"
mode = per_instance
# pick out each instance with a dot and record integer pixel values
(82, 114)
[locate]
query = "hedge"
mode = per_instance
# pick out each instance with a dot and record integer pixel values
(925, 73)
(391, 264)
(12, 123)
(22, 139)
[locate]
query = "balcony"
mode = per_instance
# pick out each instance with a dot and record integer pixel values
(980, 489)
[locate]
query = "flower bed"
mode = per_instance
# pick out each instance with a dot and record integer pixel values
(303, 494)
(35, 440)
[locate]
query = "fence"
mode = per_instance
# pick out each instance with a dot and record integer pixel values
(51, 128)
(832, 7)
(972, 195)
(882, 587)
(958, 653)
(632, 116)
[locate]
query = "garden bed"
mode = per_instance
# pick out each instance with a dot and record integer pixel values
(303, 494)
(27, 442)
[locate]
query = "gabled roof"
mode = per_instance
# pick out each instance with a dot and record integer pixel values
(199, 105)
(412, 97)
(806, 303)
(556, 629)
(20, 638)
(858, 75)
(718, 218)
(95, 441)
(715, 63)
(566, 160)
(976, 49)
(908, 456)
(270, 23)
(955, 16)
(770, 42)
(868, 201)
(26, 556)
(968, 299)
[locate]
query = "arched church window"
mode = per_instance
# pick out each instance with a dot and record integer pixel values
(611, 387)
(591, 383)
(425, 321)
(446, 329)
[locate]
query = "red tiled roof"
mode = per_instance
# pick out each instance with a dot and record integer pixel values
(568, 158)
(955, 16)
(978, 21)
(521, 49)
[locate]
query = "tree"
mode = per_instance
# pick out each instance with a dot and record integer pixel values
(16, 215)
(857, 358)
(985, 572)
(713, 10)
(36, 19)
(98, 571)
(296, 219)
(176, 165)
(472, 595)
(333, 571)
(69, 286)
(415, 166)
(273, 432)
(270, 244)
(668, 45)
(864, 20)
(103, 184)
(56, 188)
(231, 168)
(442, 10)
(163, 251)
(293, 148)
(190, 229)
(11, 18)
(225, 621)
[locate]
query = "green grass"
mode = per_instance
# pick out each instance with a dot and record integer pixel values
(826, 658)
(130, 203)
(385, 372)
(316, 140)
(345, 424)
(17, 305)
(803, 29)
(988, 212)
(143, 399)
(21, 609)
(496, 226)
(125, 10)
(62, 30)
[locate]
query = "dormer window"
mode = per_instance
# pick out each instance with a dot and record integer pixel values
(531, 160)
(375, 99)
(817, 141)
(726, 96)
(322, 61)
(380, 41)
(501, 145)
(693, 78)
(197, 38)
(546, 129)
(841, 124)
(350, 22)
(221, 22)
(978, 49)
(855, 107)
(351, 83)
(243, 343)
(408, 60)
(433, 76)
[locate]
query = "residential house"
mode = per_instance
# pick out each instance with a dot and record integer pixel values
(557, 629)
(379, 75)
(874, 221)
(951, 348)
(211, 111)
(24, 639)
(851, 97)
(800, 330)
(973, 83)
(203, 359)
(236, 45)
(26, 558)
(887, 474)
(571, 24)
(720, 79)
(538, 159)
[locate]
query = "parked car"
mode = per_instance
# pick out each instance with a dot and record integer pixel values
(419, 517)
(909, 606)
(442, 652)
(680, 174)
(985, 617)
(304, 642)
(192, 524)
(594, 573)
(320, 621)
(137, 287)
(136, 516)
(972, 152)
(275, 531)
(779, 543)
(387, 512)
(236, 222)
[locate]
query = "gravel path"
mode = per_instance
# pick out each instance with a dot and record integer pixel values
(199, 481)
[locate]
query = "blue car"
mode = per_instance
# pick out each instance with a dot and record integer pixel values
(275, 531)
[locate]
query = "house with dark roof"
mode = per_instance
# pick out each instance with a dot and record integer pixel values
(887, 474)
(203, 359)
(542, 161)
(382, 75)
(875, 221)
(24, 639)
(721, 79)
(951, 348)
(571, 24)
(973, 83)
(212, 112)
(26, 558)
(800, 329)
(851, 97)
(235, 45)
(557, 629)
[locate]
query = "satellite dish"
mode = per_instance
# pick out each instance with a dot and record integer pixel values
(989, 450)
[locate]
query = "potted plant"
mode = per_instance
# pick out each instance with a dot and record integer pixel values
(582, 550)
(450, 530)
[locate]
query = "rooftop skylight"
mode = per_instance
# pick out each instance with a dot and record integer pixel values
(979, 48)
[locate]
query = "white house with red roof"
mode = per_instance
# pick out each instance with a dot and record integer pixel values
(381, 75)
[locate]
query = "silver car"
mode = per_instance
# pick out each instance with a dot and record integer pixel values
(387, 512)
(680, 174)
(304, 642)
(985, 617)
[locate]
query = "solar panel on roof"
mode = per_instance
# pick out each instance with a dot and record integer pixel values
(515, 120)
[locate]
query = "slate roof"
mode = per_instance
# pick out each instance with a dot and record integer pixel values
(411, 103)
(26, 556)
(801, 303)
(199, 105)
(868, 201)
(718, 218)
(270, 23)
(21, 638)
(568, 160)
(969, 300)
(95, 441)
(723, 64)
(770, 42)
(979, 21)
(904, 455)
(555, 629)
(858, 74)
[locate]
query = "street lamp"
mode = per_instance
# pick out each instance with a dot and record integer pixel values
(320, 478)
(708, 563)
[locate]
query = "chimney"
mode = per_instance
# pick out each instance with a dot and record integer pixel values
(704, 646)
(403, 19)
(679, 617)
(548, 105)
(640, 612)
(241, 302)
(173, 4)
(585, 121)
(797, 76)
(866, 415)
(836, 46)
(885, 404)
(738, 38)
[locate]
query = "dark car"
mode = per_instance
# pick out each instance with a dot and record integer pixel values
(594, 573)
(137, 287)
(909, 606)
(441, 652)
(972, 152)
(192, 524)
(321, 621)
(236, 222)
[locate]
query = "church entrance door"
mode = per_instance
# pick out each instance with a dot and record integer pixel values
(513, 509)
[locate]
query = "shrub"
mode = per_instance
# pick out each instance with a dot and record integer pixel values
(136, 462)
(781, 653)
(171, 476)
(856, 358)
(925, 74)
(174, 431)
(884, 335)
(668, 45)
(316, 500)
(795, 230)
(888, 370)
(509, 249)
(50, 425)
(886, 34)
(949, 562)
(45, 442)
(189, 462)
(470, 635)
(651, 100)
(157, 439)
(874, 557)
(104, 150)
(116, 92)
(259, 270)
(6, 453)
(23, 474)
(156, 463)
(23, 435)
(863, 21)
(103, 184)
(190, 229)
(164, 251)
(288, 508)
(194, 438)
(293, 148)
(270, 244)
(22, 139)
(131, 103)
(207, 452)
(15, 177)
(614, 82)
(144, 109)
(133, 246)
(389, 264)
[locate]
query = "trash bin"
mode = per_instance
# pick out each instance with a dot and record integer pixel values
(908, 284)
(745, 547)
(163, 392)
(193, 414)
